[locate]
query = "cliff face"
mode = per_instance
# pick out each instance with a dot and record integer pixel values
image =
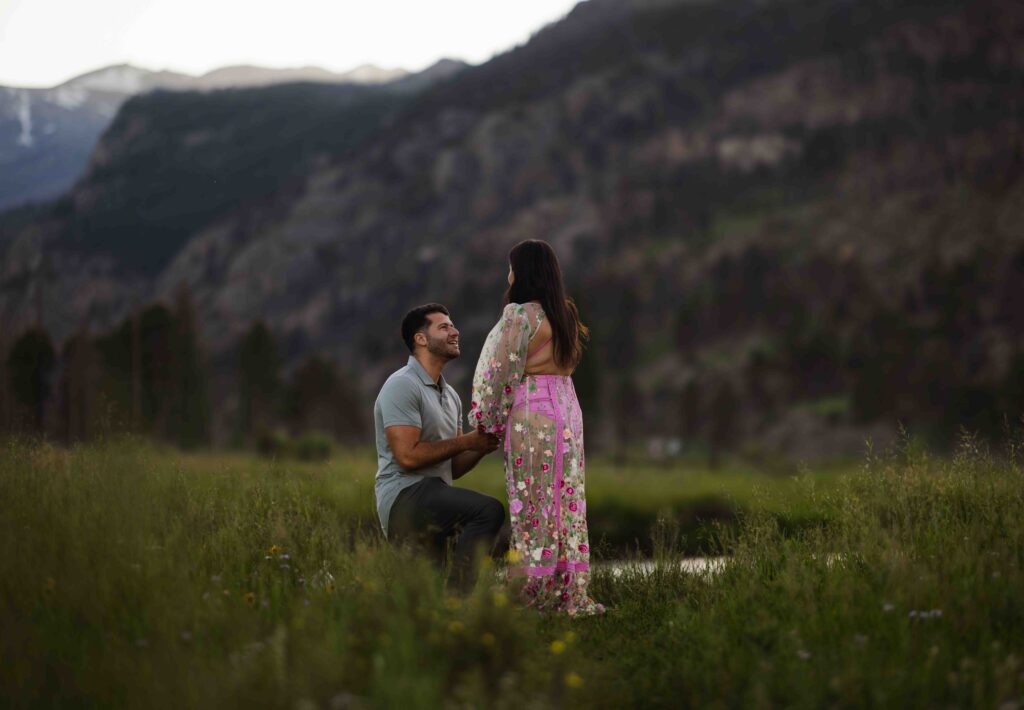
(809, 208)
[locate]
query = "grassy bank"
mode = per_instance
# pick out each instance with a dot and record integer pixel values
(132, 575)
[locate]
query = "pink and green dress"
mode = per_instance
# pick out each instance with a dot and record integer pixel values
(544, 468)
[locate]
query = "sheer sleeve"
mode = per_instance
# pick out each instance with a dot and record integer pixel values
(501, 365)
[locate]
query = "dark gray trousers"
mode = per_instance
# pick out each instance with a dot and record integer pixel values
(428, 513)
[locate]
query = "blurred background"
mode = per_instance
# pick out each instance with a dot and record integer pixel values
(793, 226)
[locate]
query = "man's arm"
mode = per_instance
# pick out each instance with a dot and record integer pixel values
(412, 454)
(465, 462)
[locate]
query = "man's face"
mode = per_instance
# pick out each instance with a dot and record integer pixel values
(442, 336)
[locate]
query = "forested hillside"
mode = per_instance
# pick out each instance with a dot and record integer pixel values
(790, 224)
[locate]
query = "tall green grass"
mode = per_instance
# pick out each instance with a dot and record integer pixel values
(134, 575)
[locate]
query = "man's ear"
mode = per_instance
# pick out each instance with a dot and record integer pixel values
(420, 338)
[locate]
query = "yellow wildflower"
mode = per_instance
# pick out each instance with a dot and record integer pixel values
(227, 592)
(573, 680)
(275, 550)
(329, 587)
(487, 639)
(250, 598)
(456, 627)
(453, 603)
(557, 646)
(500, 600)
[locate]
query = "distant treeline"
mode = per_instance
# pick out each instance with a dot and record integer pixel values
(149, 376)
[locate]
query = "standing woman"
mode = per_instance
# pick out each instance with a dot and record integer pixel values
(523, 388)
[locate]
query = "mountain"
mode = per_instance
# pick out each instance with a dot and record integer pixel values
(790, 224)
(242, 76)
(47, 135)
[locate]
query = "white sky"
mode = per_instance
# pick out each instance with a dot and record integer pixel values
(45, 42)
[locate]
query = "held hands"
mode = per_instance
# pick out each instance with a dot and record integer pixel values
(483, 442)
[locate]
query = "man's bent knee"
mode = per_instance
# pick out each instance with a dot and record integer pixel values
(494, 514)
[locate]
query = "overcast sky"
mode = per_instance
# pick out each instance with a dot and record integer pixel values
(45, 42)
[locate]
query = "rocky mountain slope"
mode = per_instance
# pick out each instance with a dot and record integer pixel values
(779, 217)
(47, 135)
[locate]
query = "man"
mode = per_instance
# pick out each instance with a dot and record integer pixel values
(421, 449)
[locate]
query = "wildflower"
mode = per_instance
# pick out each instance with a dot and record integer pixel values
(500, 600)
(274, 550)
(250, 598)
(456, 627)
(329, 587)
(453, 603)
(487, 639)
(227, 593)
(887, 607)
(557, 646)
(573, 680)
(804, 655)
(570, 636)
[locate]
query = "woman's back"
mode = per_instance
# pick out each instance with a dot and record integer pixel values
(540, 359)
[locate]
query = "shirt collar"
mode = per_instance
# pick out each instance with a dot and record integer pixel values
(416, 367)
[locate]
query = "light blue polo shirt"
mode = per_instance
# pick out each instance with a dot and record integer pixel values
(410, 398)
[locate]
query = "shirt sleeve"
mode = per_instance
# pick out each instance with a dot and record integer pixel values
(500, 367)
(399, 403)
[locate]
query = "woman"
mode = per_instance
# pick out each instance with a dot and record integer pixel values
(523, 388)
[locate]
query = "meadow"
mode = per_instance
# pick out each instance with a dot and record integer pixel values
(133, 574)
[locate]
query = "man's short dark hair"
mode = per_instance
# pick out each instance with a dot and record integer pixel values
(416, 320)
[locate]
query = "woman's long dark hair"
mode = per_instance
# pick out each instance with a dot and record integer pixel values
(538, 277)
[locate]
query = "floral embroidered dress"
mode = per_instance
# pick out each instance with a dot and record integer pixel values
(543, 427)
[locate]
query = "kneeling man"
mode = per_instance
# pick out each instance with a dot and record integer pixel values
(421, 448)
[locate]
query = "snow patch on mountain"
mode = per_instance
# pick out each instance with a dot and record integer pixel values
(120, 79)
(69, 96)
(25, 119)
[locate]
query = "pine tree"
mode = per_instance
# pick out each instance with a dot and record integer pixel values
(318, 398)
(79, 388)
(29, 367)
(190, 426)
(259, 382)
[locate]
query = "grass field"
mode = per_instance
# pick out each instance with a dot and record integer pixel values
(134, 575)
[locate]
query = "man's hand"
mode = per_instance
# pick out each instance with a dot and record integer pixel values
(483, 442)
